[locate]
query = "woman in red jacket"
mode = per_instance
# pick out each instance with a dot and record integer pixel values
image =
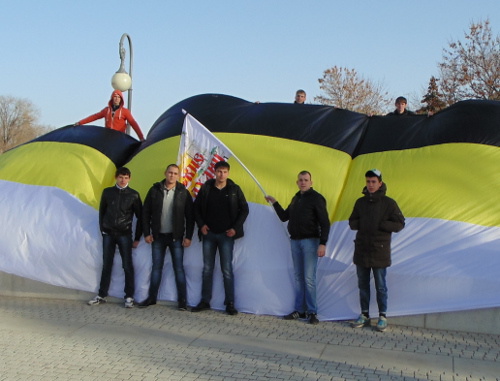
(116, 116)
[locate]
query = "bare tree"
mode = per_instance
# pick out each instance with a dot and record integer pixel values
(472, 69)
(345, 88)
(18, 122)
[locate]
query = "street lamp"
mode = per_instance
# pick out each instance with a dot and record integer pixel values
(121, 80)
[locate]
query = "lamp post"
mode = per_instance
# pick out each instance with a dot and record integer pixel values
(122, 80)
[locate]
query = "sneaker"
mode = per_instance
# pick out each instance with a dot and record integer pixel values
(295, 315)
(313, 319)
(382, 324)
(146, 303)
(231, 310)
(202, 306)
(97, 300)
(129, 302)
(362, 321)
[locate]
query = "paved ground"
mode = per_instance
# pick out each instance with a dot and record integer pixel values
(45, 339)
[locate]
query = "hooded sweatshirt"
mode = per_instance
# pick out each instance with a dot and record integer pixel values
(116, 118)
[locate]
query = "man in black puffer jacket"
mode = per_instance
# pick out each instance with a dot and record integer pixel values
(375, 216)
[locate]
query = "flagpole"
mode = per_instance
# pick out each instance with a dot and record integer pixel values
(231, 152)
(250, 173)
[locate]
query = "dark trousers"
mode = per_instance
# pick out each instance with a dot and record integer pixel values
(225, 244)
(158, 250)
(109, 244)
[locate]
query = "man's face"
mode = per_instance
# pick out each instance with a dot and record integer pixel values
(171, 175)
(116, 99)
(122, 180)
(300, 98)
(221, 175)
(304, 182)
(373, 184)
(400, 106)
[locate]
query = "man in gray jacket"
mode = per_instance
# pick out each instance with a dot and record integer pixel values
(375, 216)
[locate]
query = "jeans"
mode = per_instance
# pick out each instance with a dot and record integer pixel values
(364, 287)
(225, 244)
(305, 262)
(124, 243)
(158, 250)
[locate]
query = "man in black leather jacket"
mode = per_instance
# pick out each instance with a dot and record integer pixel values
(119, 204)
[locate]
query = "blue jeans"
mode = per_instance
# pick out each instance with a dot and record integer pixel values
(364, 287)
(225, 244)
(305, 262)
(158, 250)
(124, 243)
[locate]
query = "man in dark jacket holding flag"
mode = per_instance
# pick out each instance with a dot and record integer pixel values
(308, 225)
(375, 217)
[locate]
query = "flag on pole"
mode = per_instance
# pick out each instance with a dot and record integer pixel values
(199, 151)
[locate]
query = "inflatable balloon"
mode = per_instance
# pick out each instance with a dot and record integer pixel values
(442, 171)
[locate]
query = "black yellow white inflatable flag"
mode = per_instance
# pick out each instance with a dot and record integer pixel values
(442, 171)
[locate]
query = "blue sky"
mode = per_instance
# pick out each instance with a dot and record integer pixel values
(62, 54)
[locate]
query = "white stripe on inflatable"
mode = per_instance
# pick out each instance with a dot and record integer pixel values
(50, 236)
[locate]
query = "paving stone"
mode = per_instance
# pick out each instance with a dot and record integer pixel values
(68, 340)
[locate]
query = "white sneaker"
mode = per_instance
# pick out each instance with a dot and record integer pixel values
(129, 302)
(97, 300)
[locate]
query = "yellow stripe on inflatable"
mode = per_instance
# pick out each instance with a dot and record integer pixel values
(274, 162)
(455, 181)
(78, 169)
(148, 166)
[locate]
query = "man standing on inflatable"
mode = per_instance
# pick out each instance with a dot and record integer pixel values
(308, 225)
(375, 216)
(116, 116)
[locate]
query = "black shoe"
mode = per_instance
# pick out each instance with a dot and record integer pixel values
(295, 315)
(313, 319)
(181, 306)
(146, 303)
(202, 306)
(231, 310)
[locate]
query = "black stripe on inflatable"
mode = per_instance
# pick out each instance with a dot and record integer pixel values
(465, 122)
(472, 121)
(117, 146)
(326, 126)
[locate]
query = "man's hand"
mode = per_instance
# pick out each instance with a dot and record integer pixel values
(149, 238)
(204, 229)
(270, 199)
(186, 242)
(135, 244)
(321, 250)
(231, 232)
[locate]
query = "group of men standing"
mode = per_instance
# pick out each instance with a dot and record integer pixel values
(220, 209)
(167, 221)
